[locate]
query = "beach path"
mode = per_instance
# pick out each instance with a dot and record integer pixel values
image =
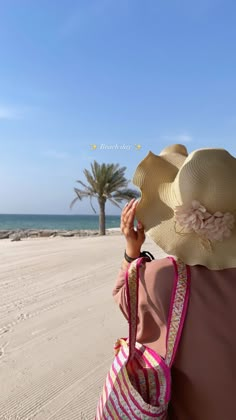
(58, 324)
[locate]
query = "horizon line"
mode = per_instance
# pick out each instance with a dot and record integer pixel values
(52, 214)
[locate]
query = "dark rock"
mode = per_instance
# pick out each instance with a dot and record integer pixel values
(53, 235)
(46, 233)
(33, 234)
(5, 235)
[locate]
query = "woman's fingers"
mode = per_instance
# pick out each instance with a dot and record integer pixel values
(127, 225)
(126, 210)
(130, 215)
(134, 238)
(127, 207)
(127, 217)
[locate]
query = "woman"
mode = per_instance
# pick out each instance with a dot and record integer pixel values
(187, 207)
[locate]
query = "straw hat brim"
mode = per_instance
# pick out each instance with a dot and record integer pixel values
(155, 176)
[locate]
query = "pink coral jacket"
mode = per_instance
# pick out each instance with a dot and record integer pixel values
(204, 370)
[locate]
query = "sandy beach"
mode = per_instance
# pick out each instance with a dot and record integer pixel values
(58, 324)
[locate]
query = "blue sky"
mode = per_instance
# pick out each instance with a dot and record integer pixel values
(76, 73)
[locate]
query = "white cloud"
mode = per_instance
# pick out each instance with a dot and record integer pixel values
(54, 154)
(10, 113)
(180, 138)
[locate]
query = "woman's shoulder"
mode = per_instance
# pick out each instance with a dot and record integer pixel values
(163, 267)
(157, 279)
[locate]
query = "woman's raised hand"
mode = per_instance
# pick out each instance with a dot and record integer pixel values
(134, 238)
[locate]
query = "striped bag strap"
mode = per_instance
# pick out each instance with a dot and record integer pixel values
(178, 309)
(132, 287)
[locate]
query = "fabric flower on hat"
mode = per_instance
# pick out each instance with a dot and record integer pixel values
(196, 218)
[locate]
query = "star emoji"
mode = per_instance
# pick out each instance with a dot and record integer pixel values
(93, 146)
(138, 146)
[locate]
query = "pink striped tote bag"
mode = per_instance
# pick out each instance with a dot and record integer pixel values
(139, 381)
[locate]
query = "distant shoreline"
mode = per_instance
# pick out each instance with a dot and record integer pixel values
(18, 234)
(57, 214)
(54, 222)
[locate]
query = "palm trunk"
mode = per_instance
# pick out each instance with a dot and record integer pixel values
(102, 220)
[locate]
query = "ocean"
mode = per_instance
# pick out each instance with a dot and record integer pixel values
(57, 222)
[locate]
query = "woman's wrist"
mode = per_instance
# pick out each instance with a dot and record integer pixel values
(132, 253)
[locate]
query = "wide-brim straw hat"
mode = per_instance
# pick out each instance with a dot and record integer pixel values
(206, 179)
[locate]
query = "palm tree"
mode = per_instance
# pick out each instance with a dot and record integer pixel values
(105, 182)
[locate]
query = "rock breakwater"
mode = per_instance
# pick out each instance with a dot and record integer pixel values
(17, 235)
